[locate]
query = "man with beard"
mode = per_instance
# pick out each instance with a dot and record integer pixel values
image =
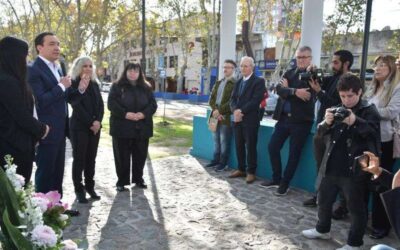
(328, 96)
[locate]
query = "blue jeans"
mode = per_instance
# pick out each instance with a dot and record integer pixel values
(222, 138)
(298, 133)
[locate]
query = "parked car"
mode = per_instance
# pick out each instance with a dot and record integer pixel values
(271, 103)
(106, 86)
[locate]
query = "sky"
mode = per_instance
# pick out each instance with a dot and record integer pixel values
(384, 13)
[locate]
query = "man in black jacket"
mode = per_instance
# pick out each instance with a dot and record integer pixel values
(328, 96)
(295, 115)
(348, 133)
(245, 102)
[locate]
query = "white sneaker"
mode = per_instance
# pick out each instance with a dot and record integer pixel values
(314, 234)
(348, 247)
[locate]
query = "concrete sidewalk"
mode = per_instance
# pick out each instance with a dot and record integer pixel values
(189, 207)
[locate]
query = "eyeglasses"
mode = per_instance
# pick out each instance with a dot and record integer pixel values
(228, 67)
(302, 57)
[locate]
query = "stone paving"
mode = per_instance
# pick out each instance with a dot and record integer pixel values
(187, 206)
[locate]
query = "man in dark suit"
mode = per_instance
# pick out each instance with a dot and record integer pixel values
(50, 88)
(245, 104)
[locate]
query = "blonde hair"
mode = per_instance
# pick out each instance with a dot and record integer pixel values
(393, 78)
(77, 67)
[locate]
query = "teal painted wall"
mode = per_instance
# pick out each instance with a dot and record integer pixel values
(304, 178)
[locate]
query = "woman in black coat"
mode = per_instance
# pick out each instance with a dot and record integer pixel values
(20, 130)
(85, 123)
(132, 106)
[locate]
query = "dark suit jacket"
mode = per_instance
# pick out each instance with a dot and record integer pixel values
(19, 129)
(87, 107)
(249, 100)
(391, 200)
(301, 111)
(51, 100)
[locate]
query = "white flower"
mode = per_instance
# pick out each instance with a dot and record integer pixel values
(44, 236)
(63, 217)
(40, 202)
(18, 181)
(69, 245)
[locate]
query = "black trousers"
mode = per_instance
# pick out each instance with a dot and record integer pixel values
(379, 218)
(125, 151)
(246, 140)
(354, 193)
(298, 133)
(23, 160)
(84, 151)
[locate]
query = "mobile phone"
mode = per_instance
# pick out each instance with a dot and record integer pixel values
(360, 162)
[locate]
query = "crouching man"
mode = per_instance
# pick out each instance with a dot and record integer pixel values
(348, 130)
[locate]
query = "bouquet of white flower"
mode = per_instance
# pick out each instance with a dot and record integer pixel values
(30, 220)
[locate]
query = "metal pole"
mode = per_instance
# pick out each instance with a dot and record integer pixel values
(366, 40)
(143, 61)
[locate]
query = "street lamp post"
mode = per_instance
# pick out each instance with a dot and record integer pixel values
(143, 61)
(365, 42)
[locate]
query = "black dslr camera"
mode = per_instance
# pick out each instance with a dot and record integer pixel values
(315, 74)
(339, 114)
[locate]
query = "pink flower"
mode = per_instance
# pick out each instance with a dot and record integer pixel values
(69, 245)
(54, 198)
(44, 236)
(41, 202)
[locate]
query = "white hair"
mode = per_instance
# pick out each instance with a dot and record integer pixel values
(248, 58)
(77, 66)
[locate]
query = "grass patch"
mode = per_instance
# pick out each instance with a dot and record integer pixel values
(172, 139)
(178, 133)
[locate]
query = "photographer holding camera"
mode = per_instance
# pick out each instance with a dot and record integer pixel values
(295, 114)
(328, 96)
(348, 130)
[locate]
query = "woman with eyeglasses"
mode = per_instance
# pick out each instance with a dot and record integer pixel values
(386, 97)
(85, 124)
(132, 107)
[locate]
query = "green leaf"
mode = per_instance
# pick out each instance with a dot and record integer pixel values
(17, 238)
(9, 198)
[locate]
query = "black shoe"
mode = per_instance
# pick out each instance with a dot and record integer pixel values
(71, 212)
(378, 233)
(269, 184)
(211, 164)
(340, 213)
(312, 202)
(121, 188)
(221, 168)
(93, 194)
(81, 196)
(282, 189)
(141, 185)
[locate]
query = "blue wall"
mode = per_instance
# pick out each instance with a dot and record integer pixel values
(304, 178)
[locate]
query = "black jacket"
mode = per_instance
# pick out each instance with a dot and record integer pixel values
(19, 129)
(87, 107)
(301, 111)
(391, 200)
(249, 100)
(364, 135)
(125, 98)
(328, 96)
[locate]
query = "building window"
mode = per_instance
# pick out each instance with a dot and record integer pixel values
(173, 40)
(173, 61)
(259, 55)
(165, 62)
